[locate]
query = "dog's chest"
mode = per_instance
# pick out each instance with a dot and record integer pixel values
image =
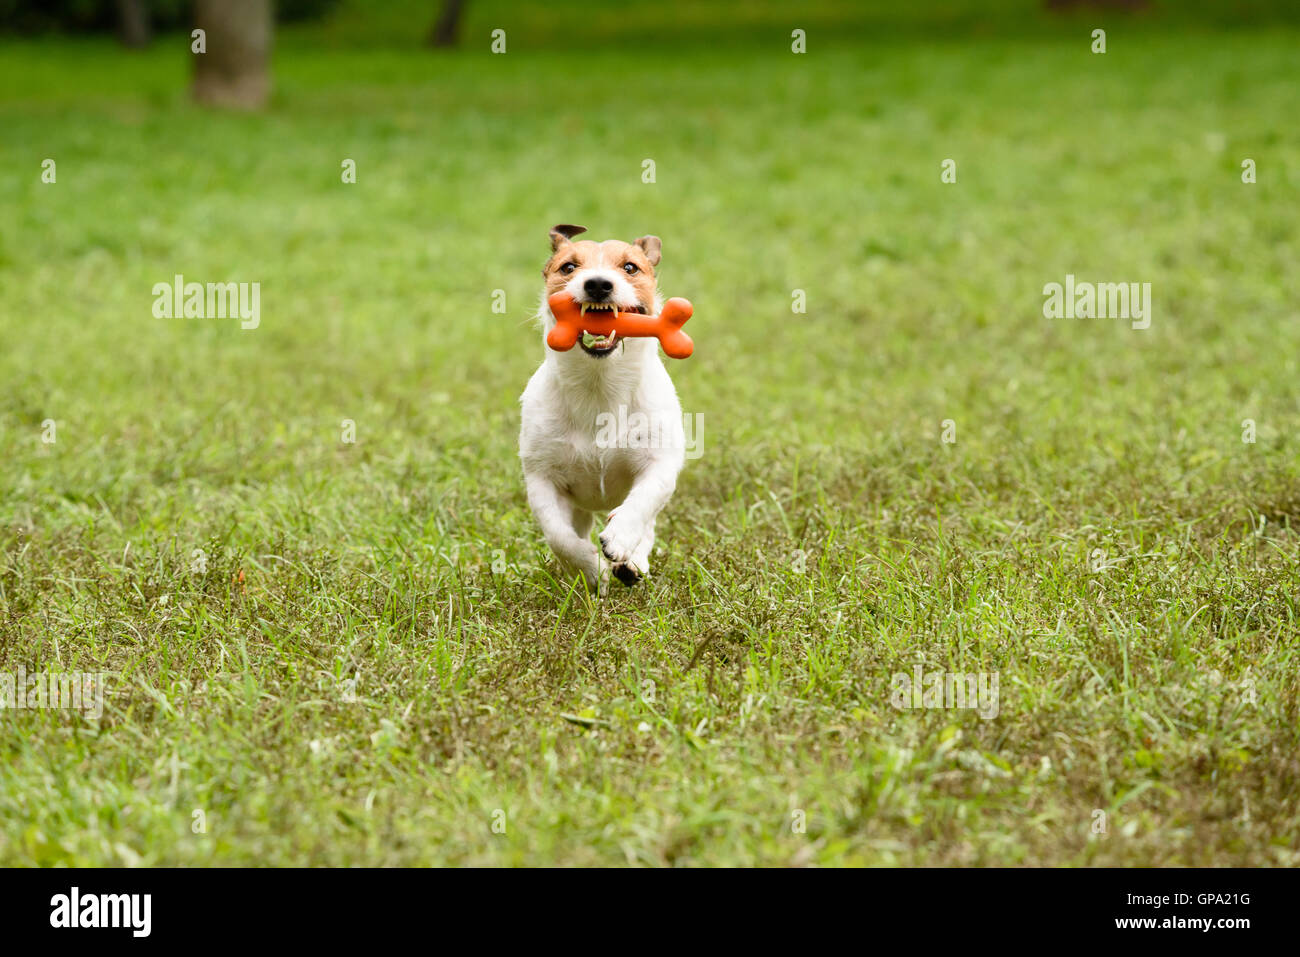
(598, 473)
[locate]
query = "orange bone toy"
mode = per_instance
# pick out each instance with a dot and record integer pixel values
(571, 322)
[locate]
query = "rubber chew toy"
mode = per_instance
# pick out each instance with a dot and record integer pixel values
(571, 322)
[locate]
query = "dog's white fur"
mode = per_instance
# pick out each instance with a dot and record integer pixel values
(571, 468)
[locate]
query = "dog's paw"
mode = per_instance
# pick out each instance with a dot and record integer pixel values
(586, 565)
(619, 548)
(618, 540)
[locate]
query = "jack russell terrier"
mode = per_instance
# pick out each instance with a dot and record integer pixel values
(601, 427)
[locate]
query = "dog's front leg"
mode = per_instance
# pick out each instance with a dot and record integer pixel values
(628, 537)
(555, 513)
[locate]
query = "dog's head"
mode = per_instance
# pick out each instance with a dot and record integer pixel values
(602, 276)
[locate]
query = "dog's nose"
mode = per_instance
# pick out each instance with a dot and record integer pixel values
(598, 288)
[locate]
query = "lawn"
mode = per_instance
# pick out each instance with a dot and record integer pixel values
(332, 652)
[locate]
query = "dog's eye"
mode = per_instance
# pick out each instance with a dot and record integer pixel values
(568, 268)
(629, 268)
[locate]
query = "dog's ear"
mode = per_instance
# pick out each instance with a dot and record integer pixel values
(562, 233)
(651, 246)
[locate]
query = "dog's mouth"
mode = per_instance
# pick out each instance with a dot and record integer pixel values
(597, 345)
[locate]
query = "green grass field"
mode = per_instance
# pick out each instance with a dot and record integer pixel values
(402, 678)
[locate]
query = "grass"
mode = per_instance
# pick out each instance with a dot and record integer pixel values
(1099, 535)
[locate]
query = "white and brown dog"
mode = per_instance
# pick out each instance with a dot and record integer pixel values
(602, 427)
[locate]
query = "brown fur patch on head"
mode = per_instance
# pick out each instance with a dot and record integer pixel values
(613, 254)
(643, 280)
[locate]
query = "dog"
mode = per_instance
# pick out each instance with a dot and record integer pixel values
(601, 426)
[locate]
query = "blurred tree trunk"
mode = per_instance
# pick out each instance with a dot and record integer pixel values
(447, 26)
(235, 70)
(133, 23)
